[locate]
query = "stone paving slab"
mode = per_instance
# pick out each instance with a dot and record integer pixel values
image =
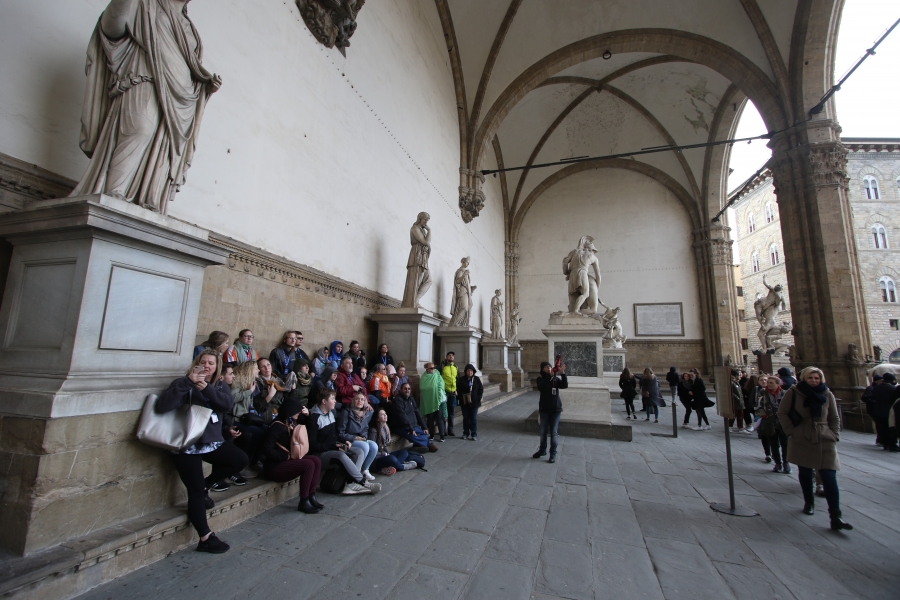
(609, 520)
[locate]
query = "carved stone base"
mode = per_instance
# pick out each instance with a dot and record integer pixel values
(496, 363)
(409, 333)
(514, 358)
(463, 342)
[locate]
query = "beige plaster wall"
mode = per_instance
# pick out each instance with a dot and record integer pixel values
(644, 240)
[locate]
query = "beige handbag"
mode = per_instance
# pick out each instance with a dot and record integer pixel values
(173, 430)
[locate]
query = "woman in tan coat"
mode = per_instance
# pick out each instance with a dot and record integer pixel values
(813, 439)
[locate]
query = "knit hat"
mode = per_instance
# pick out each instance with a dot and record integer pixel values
(545, 364)
(877, 377)
(889, 378)
(290, 407)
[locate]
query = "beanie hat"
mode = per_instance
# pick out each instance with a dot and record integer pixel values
(888, 378)
(545, 364)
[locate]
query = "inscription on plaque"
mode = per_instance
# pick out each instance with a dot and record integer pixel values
(658, 319)
(580, 358)
(613, 364)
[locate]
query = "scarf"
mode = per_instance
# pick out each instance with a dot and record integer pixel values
(304, 379)
(686, 384)
(384, 437)
(243, 352)
(359, 414)
(813, 397)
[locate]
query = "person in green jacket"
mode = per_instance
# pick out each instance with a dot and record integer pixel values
(449, 372)
(432, 400)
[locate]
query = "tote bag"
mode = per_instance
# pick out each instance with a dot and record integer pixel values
(173, 430)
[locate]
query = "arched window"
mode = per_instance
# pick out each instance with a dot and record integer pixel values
(754, 262)
(770, 212)
(880, 235)
(870, 184)
(751, 223)
(888, 289)
(773, 254)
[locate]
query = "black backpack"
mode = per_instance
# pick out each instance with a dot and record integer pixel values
(334, 479)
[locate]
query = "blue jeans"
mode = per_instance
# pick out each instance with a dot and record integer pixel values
(470, 420)
(654, 408)
(369, 448)
(549, 424)
(374, 400)
(397, 458)
(415, 436)
(829, 482)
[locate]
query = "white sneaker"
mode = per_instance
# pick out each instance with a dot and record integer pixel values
(354, 488)
(409, 465)
(686, 426)
(697, 428)
(706, 427)
(368, 476)
(373, 487)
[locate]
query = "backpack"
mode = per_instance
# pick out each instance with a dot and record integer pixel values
(333, 480)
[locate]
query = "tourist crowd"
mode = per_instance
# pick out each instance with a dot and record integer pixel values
(332, 422)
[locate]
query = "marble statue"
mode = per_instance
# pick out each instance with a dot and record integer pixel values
(877, 353)
(615, 337)
(146, 93)
(766, 310)
(582, 271)
(514, 320)
(332, 22)
(461, 307)
(496, 316)
(418, 277)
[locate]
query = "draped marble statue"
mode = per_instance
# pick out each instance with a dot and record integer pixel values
(496, 316)
(418, 277)
(513, 325)
(582, 271)
(146, 93)
(461, 308)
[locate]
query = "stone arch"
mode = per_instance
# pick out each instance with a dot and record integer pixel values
(879, 218)
(870, 170)
(886, 271)
(696, 48)
(620, 163)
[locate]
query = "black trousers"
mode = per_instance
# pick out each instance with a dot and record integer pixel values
(226, 460)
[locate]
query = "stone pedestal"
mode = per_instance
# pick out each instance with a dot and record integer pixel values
(614, 361)
(495, 363)
(409, 333)
(586, 402)
(514, 358)
(462, 341)
(99, 310)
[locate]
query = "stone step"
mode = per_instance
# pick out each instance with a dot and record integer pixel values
(495, 400)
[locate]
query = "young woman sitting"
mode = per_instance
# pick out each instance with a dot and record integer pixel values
(272, 390)
(379, 385)
(217, 340)
(320, 362)
(399, 379)
(335, 354)
(285, 355)
(202, 386)
(244, 414)
(242, 351)
(304, 381)
(353, 427)
(387, 462)
(321, 427)
(286, 450)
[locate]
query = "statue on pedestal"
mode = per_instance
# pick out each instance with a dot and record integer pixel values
(146, 93)
(496, 316)
(418, 278)
(461, 307)
(615, 337)
(514, 320)
(582, 271)
(766, 310)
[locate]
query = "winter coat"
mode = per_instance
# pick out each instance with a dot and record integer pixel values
(343, 385)
(380, 386)
(737, 397)
(449, 372)
(751, 398)
(549, 386)
(431, 393)
(472, 387)
(385, 360)
(349, 428)
(884, 395)
(813, 443)
(672, 377)
(684, 394)
(653, 396)
(321, 429)
(216, 396)
(628, 387)
(700, 399)
(405, 414)
(283, 361)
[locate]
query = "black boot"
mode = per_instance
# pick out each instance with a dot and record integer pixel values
(808, 507)
(837, 523)
(315, 502)
(306, 507)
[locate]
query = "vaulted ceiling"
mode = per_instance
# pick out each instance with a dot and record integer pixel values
(535, 84)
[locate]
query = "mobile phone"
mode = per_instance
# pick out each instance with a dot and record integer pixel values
(198, 369)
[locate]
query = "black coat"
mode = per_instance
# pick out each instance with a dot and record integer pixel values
(387, 360)
(476, 389)
(684, 394)
(406, 414)
(672, 378)
(321, 439)
(549, 387)
(884, 396)
(216, 396)
(629, 387)
(701, 400)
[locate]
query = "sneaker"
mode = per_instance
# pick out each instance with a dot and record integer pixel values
(213, 545)
(749, 430)
(220, 486)
(697, 428)
(706, 428)
(451, 434)
(465, 436)
(787, 469)
(248, 474)
(409, 465)
(777, 468)
(353, 488)
(552, 459)
(820, 491)
(474, 438)
(208, 502)
(768, 459)
(686, 426)
(374, 487)
(237, 480)
(368, 476)
(441, 440)
(388, 470)
(656, 421)
(538, 454)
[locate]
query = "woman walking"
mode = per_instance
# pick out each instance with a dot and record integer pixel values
(778, 439)
(700, 401)
(686, 395)
(808, 413)
(628, 383)
(650, 394)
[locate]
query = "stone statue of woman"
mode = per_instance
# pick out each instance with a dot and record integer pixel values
(146, 93)
(418, 278)
(461, 308)
(514, 320)
(496, 316)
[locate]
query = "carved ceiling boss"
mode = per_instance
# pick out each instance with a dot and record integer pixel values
(332, 22)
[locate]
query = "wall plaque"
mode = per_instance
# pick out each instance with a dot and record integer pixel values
(659, 319)
(613, 363)
(580, 358)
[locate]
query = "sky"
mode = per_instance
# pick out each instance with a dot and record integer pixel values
(866, 104)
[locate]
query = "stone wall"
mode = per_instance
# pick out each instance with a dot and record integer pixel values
(659, 355)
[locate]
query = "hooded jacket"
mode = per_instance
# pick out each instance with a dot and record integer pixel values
(405, 414)
(466, 386)
(321, 429)
(450, 373)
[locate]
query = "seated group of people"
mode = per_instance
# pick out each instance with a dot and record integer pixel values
(283, 422)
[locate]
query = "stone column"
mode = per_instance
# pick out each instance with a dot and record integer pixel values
(718, 310)
(512, 277)
(827, 307)
(100, 309)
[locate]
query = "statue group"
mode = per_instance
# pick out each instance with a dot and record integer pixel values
(582, 270)
(766, 311)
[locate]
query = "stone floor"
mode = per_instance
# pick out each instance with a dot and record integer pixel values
(608, 520)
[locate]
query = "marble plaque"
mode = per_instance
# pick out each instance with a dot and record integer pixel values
(658, 319)
(41, 308)
(613, 364)
(580, 358)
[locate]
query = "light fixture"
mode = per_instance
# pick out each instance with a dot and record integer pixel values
(607, 55)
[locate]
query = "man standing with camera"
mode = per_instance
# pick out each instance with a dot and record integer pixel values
(549, 382)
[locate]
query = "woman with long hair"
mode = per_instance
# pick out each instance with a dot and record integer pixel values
(217, 340)
(808, 414)
(286, 450)
(686, 395)
(700, 401)
(628, 383)
(284, 357)
(202, 386)
(387, 462)
(353, 427)
(650, 393)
